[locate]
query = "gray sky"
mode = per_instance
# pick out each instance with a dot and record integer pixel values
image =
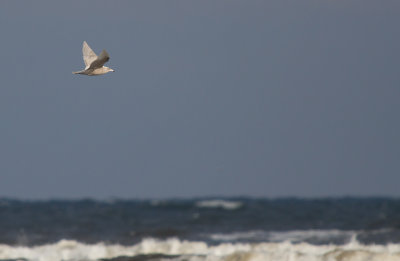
(254, 98)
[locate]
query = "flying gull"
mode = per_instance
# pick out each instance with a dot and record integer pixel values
(94, 64)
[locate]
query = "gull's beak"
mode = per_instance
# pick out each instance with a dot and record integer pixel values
(112, 70)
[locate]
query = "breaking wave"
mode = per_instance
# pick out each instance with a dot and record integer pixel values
(175, 249)
(218, 203)
(294, 236)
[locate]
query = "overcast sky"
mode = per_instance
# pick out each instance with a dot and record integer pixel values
(209, 98)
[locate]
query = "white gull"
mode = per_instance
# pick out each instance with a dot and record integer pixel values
(94, 64)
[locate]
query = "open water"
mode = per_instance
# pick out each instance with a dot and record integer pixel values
(212, 229)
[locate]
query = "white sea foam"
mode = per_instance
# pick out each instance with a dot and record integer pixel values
(304, 235)
(257, 234)
(294, 236)
(200, 251)
(218, 203)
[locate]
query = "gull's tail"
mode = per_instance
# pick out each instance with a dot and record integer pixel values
(80, 72)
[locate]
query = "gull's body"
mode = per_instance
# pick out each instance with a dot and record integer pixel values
(94, 65)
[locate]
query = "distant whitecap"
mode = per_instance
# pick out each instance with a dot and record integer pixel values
(218, 203)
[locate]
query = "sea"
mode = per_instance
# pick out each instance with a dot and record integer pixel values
(201, 229)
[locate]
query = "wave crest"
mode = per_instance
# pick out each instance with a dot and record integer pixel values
(175, 249)
(218, 203)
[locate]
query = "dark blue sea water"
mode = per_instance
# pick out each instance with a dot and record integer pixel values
(372, 220)
(214, 222)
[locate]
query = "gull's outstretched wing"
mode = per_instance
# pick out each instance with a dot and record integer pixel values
(100, 61)
(88, 55)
